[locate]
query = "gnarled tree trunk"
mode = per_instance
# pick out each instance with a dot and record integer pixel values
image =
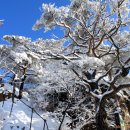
(101, 116)
(101, 122)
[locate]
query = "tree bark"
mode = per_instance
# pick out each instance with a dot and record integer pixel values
(22, 81)
(101, 116)
(101, 122)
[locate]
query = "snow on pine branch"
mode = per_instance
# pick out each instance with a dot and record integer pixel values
(16, 40)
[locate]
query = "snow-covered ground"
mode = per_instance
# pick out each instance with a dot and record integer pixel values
(21, 117)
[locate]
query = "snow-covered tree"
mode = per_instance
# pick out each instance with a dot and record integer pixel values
(85, 82)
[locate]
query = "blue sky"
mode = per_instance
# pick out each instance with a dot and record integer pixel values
(20, 16)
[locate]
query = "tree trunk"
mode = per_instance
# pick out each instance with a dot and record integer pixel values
(117, 120)
(21, 87)
(101, 117)
(22, 81)
(101, 123)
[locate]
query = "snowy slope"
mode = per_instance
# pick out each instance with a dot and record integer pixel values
(20, 117)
